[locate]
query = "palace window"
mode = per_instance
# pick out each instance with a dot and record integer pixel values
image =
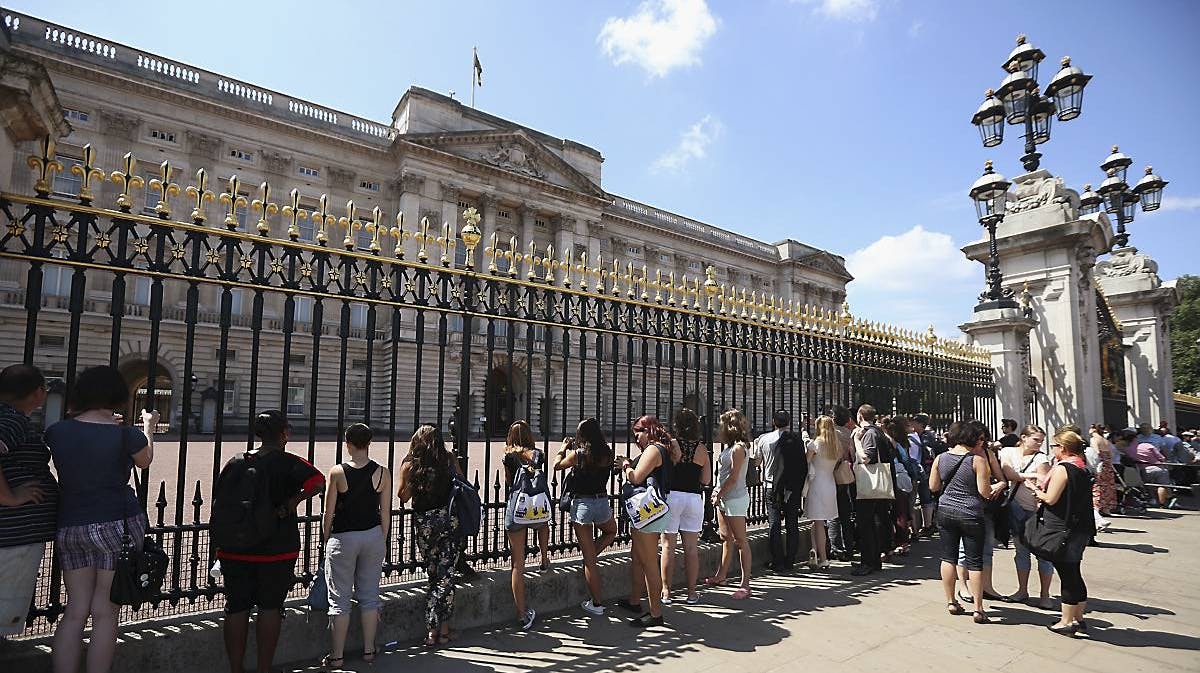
(504, 214)
(236, 299)
(78, 116)
(635, 250)
(356, 398)
(295, 400)
(362, 239)
(664, 258)
(162, 135)
(463, 205)
(693, 266)
(539, 223)
(304, 309)
(141, 291)
(358, 364)
(297, 358)
(229, 354)
(66, 183)
(229, 392)
(309, 172)
(369, 185)
(241, 155)
(308, 229)
(51, 341)
(358, 316)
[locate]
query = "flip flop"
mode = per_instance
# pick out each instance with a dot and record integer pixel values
(741, 594)
(713, 582)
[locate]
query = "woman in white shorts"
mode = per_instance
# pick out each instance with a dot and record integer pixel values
(686, 502)
(732, 499)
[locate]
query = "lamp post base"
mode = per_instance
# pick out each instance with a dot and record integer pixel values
(990, 304)
(1031, 161)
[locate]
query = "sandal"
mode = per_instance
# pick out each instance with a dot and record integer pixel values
(713, 582)
(741, 594)
(980, 618)
(954, 608)
(432, 640)
(332, 663)
(1016, 598)
(368, 657)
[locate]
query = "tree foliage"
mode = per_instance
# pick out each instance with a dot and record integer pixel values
(1185, 330)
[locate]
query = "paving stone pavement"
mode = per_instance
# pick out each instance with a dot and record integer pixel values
(1144, 583)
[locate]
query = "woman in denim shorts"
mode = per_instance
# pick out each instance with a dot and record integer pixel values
(590, 459)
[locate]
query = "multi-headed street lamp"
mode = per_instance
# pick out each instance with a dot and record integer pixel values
(1117, 198)
(1019, 101)
(990, 194)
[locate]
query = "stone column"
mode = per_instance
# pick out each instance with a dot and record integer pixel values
(449, 206)
(1141, 304)
(411, 186)
(1005, 334)
(1045, 243)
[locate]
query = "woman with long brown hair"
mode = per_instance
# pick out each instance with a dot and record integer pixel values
(659, 454)
(520, 454)
(590, 458)
(732, 499)
(686, 502)
(425, 479)
(820, 502)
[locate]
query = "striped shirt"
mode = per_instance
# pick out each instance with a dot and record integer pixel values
(24, 458)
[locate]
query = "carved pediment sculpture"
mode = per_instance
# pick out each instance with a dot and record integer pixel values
(120, 125)
(1127, 262)
(513, 157)
(203, 146)
(1038, 193)
(340, 178)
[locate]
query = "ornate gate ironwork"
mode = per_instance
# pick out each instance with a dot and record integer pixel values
(352, 328)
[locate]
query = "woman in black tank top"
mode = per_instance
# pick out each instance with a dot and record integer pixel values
(358, 504)
(689, 477)
(590, 459)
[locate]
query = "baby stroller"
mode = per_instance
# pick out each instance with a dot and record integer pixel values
(1132, 496)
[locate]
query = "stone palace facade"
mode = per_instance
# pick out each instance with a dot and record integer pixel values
(434, 159)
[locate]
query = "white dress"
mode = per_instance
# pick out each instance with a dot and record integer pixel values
(821, 502)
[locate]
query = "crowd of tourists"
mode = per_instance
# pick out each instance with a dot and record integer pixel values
(870, 485)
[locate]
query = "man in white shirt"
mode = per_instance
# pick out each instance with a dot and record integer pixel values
(782, 508)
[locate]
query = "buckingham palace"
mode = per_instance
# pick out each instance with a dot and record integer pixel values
(267, 156)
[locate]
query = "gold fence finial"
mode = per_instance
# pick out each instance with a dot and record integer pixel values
(397, 231)
(492, 252)
(199, 194)
(377, 228)
(347, 222)
(513, 256)
(128, 180)
(549, 263)
(470, 234)
(87, 171)
(231, 198)
(264, 207)
(531, 259)
(322, 219)
(294, 213)
(165, 188)
(582, 269)
(423, 238)
(670, 288)
(616, 274)
(568, 265)
(447, 241)
(46, 165)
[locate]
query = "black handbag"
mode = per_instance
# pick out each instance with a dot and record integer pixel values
(1046, 543)
(139, 573)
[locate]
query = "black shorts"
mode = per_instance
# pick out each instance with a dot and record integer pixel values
(263, 585)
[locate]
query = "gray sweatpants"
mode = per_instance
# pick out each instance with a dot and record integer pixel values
(353, 567)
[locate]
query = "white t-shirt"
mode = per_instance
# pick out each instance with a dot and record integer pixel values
(1025, 466)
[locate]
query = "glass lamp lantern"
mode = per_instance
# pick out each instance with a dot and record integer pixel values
(1024, 58)
(1129, 208)
(1066, 88)
(1015, 93)
(1089, 201)
(1043, 113)
(1116, 162)
(1150, 189)
(1112, 190)
(990, 193)
(989, 118)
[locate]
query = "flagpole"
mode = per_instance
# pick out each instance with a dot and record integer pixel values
(474, 57)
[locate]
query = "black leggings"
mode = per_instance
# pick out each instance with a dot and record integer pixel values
(1074, 591)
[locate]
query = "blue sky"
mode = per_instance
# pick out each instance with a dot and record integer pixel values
(841, 123)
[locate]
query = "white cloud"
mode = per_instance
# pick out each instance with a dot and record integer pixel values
(915, 29)
(845, 10)
(660, 36)
(914, 279)
(693, 145)
(1184, 203)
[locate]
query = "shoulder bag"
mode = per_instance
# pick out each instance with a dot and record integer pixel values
(139, 571)
(873, 481)
(1048, 543)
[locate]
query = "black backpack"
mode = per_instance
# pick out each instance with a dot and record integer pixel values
(465, 505)
(794, 456)
(243, 514)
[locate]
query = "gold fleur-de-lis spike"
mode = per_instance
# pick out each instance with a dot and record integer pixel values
(696, 293)
(531, 260)
(264, 207)
(293, 213)
(232, 199)
(347, 223)
(446, 244)
(376, 227)
(670, 288)
(46, 165)
(492, 252)
(616, 276)
(165, 188)
(513, 256)
(87, 172)
(397, 231)
(128, 180)
(721, 299)
(549, 263)
(645, 296)
(658, 286)
(630, 280)
(321, 218)
(582, 269)
(567, 265)
(423, 238)
(199, 194)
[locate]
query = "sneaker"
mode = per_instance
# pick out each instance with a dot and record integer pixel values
(1173, 503)
(693, 600)
(530, 616)
(591, 608)
(666, 600)
(646, 620)
(1102, 524)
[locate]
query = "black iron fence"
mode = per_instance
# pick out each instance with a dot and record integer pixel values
(394, 327)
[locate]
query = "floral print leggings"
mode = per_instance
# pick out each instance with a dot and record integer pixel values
(437, 539)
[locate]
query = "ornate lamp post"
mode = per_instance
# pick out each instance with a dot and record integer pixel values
(1118, 199)
(990, 195)
(1019, 101)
